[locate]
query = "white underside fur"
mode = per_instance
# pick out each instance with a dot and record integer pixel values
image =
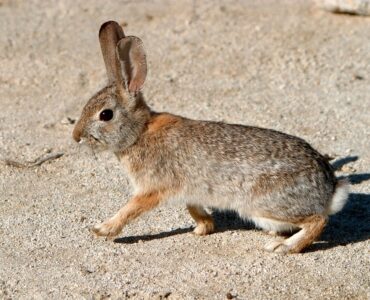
(240, 205)
(340, 197)
(273, 225)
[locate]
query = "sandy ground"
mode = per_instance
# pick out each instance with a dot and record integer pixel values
(280, 64)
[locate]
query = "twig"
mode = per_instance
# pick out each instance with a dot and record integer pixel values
(51, 156)
(13, 163)
(37, 162)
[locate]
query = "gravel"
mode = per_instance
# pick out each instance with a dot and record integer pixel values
(286, 65)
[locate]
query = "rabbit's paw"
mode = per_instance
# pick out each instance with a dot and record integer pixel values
(109, 228)
(278, 246)
(204, 228)
(273, 233)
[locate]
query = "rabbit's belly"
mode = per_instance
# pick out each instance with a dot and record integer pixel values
(216, 196)
(291, 202)
(272, 225)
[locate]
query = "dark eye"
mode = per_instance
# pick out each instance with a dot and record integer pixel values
(106, 115)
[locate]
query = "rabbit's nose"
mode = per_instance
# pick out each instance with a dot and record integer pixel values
(76, 137)
(77, 133)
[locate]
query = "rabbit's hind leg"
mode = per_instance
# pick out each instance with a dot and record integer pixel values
(205, 223)
(311, 228)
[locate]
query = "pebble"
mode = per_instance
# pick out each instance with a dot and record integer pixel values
(68, 121)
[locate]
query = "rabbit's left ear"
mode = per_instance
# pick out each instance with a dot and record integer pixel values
(109, 35)
(132, 56)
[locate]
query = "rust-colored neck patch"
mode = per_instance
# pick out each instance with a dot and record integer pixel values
(162, 121)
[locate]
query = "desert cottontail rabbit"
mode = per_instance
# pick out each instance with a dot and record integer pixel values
(276, 180)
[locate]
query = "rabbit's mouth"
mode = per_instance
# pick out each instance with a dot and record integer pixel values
(95, 139)
(94, 142)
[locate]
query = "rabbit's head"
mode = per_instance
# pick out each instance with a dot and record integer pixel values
(115, 116)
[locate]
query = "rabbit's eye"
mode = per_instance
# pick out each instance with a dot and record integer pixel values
(106, 115)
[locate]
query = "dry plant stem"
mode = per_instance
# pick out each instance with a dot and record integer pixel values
(36, 163)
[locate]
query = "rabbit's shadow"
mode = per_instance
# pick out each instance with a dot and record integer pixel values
(351, 225)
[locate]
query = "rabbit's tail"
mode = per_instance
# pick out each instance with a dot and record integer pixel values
(340, 197)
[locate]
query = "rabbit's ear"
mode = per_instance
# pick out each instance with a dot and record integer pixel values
(109, 35)
(131, 53)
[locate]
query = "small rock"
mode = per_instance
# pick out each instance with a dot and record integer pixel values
(67, 121)
(48, 126)
(358, 77)
(229, 296)
(149, 17)
(87, 270)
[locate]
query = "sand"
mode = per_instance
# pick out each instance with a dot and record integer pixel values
(286, 65)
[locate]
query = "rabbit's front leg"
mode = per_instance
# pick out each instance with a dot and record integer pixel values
(205, 223)
(134, 208)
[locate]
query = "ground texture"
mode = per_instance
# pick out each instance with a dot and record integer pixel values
(286, 65)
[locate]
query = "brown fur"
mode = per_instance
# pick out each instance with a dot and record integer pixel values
(140, 204)
(134, 208)
(162, 121)
(77, 132)
(313, 225)
(311, 229)
(292, 220)
(267, 183)
(202, 218)
(156, 129)
(109, 35)
(90, 109)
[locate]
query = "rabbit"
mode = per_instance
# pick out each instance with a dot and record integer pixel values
(273, 179)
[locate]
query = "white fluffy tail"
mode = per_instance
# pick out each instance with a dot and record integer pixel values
(340, 197)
